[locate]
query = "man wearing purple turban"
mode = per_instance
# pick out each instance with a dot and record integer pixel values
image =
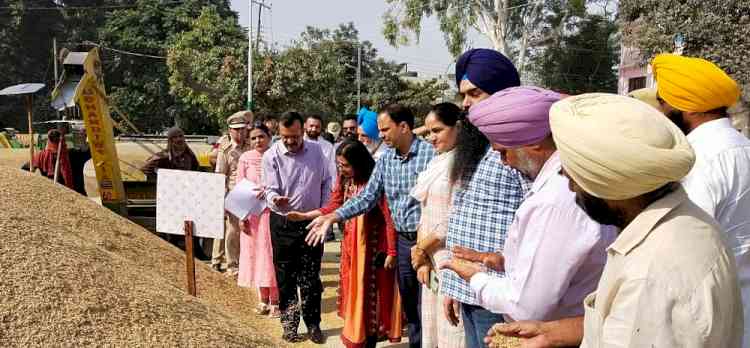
(481, 72)
(555, 253)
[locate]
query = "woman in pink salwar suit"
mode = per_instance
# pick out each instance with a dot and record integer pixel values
(256, 252)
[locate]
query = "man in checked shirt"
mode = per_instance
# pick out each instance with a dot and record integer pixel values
(395, 174)
(487, 194)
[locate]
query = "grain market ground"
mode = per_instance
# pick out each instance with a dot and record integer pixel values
(331, 323)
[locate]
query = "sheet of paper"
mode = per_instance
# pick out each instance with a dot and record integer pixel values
(195, 196)
(242, 200)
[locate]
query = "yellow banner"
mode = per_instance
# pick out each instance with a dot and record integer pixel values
(101, 140)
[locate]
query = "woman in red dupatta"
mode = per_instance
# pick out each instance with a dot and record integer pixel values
(368, 295)
(46, 159)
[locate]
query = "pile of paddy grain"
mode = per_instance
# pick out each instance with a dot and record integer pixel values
(75, 274)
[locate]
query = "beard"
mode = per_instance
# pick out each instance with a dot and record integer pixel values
(348, 136)
(677, 118)
(527, 165)
(313, 134)
(598, 210)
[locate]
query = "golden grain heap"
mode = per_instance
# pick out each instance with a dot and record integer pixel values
(74, 274)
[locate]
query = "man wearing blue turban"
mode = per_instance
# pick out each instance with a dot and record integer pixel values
(368, 132)
(481, 72)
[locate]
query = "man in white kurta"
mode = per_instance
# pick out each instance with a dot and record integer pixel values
(669, 280)
(695, 94)
(555, 253)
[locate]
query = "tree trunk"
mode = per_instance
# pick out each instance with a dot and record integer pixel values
(500, 30)
(521, 62)
(530, 20)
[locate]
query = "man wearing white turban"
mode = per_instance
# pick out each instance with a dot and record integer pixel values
(669, 280)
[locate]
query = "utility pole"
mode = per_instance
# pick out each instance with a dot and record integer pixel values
(250, 57)
(257, 33)
(54, 57)
(359, 76)
(261, 5)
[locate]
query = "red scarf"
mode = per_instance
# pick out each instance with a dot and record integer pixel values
(45, 161)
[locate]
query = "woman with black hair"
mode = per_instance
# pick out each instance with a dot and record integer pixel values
(256, 251)
(368, 298)
(434, 191)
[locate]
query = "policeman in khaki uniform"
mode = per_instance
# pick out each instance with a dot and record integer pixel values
(228, 156)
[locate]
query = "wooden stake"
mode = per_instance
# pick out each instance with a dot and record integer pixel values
(57, 159)
(29, 106)
(189, 260)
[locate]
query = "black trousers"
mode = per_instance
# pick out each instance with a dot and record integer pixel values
(410, 288)
(297, 266)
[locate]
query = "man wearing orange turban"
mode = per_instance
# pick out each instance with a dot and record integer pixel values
(695, 94)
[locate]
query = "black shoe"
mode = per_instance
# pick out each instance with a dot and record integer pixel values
(316, 336)
(330, 237)
(216, 267)
(292, 337)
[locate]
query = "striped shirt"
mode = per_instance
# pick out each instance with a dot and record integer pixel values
(394, 175)
(483, 210)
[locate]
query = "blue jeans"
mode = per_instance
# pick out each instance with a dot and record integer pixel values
(409, 288)
(477, 321)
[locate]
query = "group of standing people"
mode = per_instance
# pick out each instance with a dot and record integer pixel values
(302, 176)
(594, 220)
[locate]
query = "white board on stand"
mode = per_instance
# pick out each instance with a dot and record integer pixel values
(190, 196)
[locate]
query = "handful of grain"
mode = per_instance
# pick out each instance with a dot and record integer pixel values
(500, 341)
(462, 262)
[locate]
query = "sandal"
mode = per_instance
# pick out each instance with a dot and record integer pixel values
(274, 311)
(262, 309)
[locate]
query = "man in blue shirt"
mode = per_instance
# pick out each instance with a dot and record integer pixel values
(395, 175)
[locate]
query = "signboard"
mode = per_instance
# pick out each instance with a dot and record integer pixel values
(190, 196)
(91, 100)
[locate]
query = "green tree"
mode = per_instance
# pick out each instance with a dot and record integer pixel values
(140, 85)
(330, 60)
(509, 24)
(26, 55)
(207, 65)
(316, 74)
(420, 96)
(580, 62)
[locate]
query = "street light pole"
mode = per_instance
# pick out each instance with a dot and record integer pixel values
(261, 5)
(250, 56)
(257, 29)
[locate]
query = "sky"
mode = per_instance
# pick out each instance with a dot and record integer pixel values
(288, 18)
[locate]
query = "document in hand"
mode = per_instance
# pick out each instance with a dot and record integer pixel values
(243, 200)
